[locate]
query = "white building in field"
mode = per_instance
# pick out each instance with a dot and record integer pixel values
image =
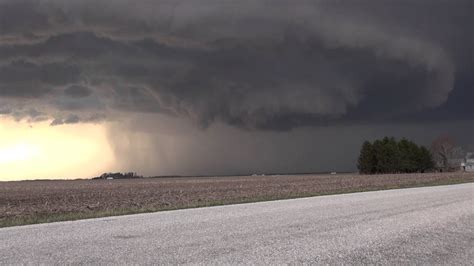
(468, 164)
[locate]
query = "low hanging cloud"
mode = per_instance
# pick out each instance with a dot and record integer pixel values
(77, 91)
(251, 64)
(75, 119)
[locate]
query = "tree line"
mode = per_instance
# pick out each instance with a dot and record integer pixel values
(128, 175)
(391, 156)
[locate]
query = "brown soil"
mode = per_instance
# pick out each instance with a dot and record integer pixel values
(28, 199)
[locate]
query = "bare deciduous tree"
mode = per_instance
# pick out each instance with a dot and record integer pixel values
(445, 152)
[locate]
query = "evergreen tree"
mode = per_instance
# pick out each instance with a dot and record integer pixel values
(409, 153)
(405, 160)
(387, 155)
(379, 157)
(426, 161)
(391, 156)
(366, 163)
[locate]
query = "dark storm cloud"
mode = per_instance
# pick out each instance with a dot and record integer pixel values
(77, 91)
(26, 79)
(272, 65)
(77, 45)
(30, 115)
(71, 119)
(17, 17)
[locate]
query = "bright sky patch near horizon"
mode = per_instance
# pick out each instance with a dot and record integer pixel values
(40, 151)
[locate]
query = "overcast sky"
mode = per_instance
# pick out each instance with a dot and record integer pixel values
(225, 87)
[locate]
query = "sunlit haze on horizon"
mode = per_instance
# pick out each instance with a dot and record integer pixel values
(42, 152)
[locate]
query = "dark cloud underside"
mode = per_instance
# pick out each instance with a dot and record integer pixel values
(272, 65)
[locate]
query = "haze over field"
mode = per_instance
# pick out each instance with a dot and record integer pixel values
(225, 87)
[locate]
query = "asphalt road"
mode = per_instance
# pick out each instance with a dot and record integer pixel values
(432, 225)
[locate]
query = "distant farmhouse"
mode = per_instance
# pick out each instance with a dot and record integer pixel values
(468, 164)
(464, 164)
(454, 165)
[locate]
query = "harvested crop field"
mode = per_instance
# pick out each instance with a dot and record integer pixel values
(27, 202)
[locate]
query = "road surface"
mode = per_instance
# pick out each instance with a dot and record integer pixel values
(431, 225)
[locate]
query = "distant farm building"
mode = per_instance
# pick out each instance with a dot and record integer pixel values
(468, 165)
(464, 164)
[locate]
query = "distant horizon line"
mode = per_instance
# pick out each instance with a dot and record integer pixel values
(185, 176)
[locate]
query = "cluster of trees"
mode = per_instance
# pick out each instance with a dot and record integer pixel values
(391, 156)
(118, 176)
